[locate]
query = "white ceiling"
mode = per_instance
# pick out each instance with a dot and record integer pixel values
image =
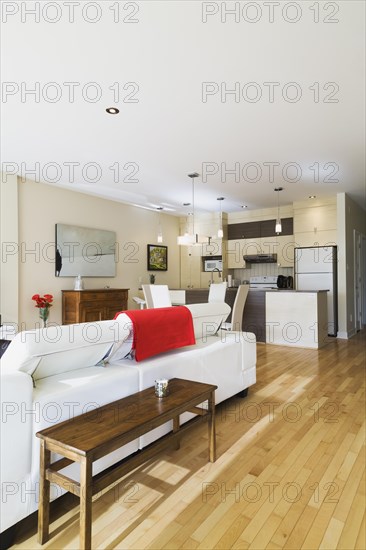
(169, 52)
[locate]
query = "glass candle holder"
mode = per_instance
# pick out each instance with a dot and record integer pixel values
(161, 387)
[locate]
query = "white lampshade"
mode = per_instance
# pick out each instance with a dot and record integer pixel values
(186, 240)
(278, 227)
(220, 233)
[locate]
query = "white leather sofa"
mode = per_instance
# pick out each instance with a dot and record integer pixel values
(50, 375)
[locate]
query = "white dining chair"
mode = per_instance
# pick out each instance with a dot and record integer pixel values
(217, 292)
(238, 308)
(178, 297)
(156, 296)
(139, 301)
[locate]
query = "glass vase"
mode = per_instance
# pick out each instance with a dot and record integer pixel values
(44, 313)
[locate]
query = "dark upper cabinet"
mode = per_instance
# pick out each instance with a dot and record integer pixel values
(268, 228)
(253, 230)
(249, 230)
(287, 226)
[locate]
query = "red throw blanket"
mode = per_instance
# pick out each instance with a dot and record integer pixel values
(160, 329)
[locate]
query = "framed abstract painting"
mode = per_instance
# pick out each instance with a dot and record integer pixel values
(157, 257)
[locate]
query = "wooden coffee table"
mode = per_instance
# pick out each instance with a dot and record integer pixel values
(92, 435)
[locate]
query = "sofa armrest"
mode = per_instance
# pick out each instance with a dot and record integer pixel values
(16, 420)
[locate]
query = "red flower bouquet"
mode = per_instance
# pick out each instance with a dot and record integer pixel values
(43, 303)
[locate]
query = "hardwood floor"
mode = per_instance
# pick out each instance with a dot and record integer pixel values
(290, 471)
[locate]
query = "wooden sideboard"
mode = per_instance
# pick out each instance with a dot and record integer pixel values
(82, 306)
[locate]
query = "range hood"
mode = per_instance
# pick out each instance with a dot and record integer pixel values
(261, 258)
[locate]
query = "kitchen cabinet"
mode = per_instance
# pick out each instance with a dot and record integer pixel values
(85, 306)
(285, 250)
(320, 218)
(248, 230)
(267, 245)
(260, 238)
(282, 245)
(316, 238)
(191, 266)
(212, 248)
(316, 226)
(260, 229)
(233, 254)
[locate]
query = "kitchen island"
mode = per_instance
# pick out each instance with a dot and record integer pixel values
(297, 318)
(285, 317)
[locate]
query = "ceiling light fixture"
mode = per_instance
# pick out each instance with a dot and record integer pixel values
(278, 228)
(112, 111)
(312, 196)
(160, 230)
(189, 239)
(220, 232)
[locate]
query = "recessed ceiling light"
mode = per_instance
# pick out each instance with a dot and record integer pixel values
(112, 111)
(312, 196)
(244, 206)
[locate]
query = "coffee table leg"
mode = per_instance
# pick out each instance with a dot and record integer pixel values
(85, 503)
(44, 496)
(211, 427)
(176, 426)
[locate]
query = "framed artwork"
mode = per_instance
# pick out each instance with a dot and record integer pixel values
(84, 251)
(157, 257)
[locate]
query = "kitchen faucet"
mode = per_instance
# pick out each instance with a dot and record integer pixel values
(212, 272)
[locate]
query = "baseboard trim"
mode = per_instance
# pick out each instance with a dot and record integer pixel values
(346, 335)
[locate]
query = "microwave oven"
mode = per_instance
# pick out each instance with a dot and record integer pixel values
(210, 265)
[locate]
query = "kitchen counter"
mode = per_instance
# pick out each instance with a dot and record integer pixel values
(293, 290)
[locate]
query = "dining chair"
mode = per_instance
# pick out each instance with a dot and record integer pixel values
(156, 296)
(178, 297)
(217, 292)
(139, 301)
(238, 308)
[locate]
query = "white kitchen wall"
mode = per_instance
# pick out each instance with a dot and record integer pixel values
(257, 270)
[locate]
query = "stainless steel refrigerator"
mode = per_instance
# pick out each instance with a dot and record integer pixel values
(316, 269)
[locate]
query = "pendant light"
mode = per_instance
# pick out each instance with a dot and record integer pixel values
(160, 230)
(278, 228)
(191, 238)
(220, 232)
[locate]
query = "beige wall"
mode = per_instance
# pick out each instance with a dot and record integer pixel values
(350, 217)
(42, 206)
(9, 247)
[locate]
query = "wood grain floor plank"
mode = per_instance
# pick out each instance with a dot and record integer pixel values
(354, 520)
(361, 537)
(332, 535)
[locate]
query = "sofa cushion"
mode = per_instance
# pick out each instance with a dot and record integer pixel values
(57, 349)
(208, 317)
